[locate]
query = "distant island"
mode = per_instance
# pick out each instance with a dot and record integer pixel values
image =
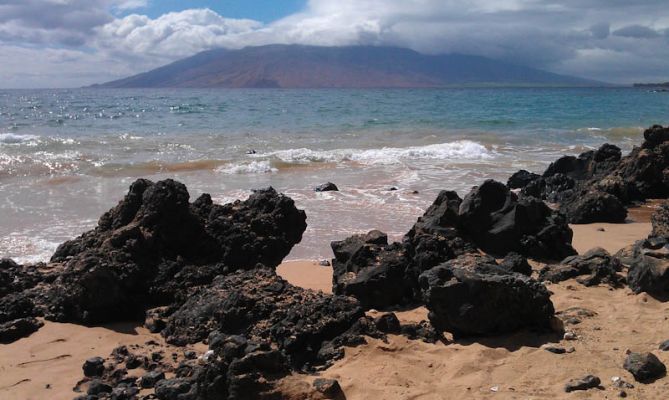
(652, 85)
(295, 66)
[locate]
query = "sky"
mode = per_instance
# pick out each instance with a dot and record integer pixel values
(72, 43)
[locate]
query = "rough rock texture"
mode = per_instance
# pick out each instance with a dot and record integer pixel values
(326, 187)
(472, 295)
(372, 271)
(585, 383)
(154, 244)
(499, 222)
(491, 217)
(645, 367)
(649, 259)
(594, 206)
(592, 268)
(660, 221)
(514, 262)
(521, 179)
(596, 185)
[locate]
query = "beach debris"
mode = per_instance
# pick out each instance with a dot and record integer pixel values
(326, 187)
(494, 389)
(592, 268)
(585, 383)
(645, 367)
(458, 292)
(620, 383)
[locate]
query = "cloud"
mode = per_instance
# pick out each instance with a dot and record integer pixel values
(637, 32)
(614, 40)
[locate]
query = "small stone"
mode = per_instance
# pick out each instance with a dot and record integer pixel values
(329, 387)
(645, 367)
(133, 361)
(324, 263)
(570, 350)
(392, 188)
(494, 389)
(156, 356)
(664, 346)
(48, 386)
(150, 379)
(327, 187)
(96, 387)
(190, 355)
(570, 336)
(601, 230)
(94, 366)
(555, 349)
(585, 383)
(622, 394)
(208, 355)
(388, 323)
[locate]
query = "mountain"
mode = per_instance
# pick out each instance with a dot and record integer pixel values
(296, 66)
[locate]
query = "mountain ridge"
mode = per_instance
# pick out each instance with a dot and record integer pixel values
(299, 66)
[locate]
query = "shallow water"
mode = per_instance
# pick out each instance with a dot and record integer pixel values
(67, 156)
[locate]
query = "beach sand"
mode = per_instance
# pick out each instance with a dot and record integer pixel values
(48, 363)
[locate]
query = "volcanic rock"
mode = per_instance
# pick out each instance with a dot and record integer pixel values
(597, 264)
(499, 222)
(472, 295)
(521, 179)
(327, 187)
(645, 367)
(585, 383)
(594, 206)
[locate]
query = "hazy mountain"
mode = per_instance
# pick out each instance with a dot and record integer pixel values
(293, 66)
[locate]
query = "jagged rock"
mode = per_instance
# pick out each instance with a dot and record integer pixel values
(154, 244)
(585, 383)
(372, 271)
(96, 387)
(472, 295)
(587, 165)
(175, 389)
(150, 379)
(594, 206)
(514, 262)
(660, 221)
(649, 270)
(327, 187)
(597, 264)
(261, 306)
(13, 330)
(435, 237)
(329, 387)
(553, 188)
(645, 367)
(499, 222)
(521, 179)
(388, 323)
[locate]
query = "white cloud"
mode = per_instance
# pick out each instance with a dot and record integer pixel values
(614, 40)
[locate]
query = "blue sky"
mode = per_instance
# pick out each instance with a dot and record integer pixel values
(260, 10)
(71, 43)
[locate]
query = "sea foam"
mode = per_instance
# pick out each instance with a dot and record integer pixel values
(459, 150)
(13, 138)
(254, 167)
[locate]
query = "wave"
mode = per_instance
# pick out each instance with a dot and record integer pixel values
(621, 132)
(254, 167)
(459, 150)
(13, 138)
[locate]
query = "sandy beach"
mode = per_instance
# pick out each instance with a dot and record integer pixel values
(48, 363)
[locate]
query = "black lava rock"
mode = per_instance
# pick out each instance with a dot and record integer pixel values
(645, 367)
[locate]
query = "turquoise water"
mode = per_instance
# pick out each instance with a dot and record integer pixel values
(68, 155)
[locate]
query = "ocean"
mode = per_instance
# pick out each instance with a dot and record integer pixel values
(66, 156)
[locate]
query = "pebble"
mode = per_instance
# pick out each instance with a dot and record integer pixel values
(324, 263)
(570, 336)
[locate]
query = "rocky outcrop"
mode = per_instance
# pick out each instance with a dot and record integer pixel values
(500, 222)
(472, 295)
(374, 272)
(594, 267)
(155, 244)
(521, 179)
(649, 258)
(597, 185)
(491, 218)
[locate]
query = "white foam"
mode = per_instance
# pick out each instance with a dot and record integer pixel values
(254, 167)
(459, 150)
(13, 138)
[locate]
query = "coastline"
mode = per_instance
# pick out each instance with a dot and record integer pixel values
(401, 368)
